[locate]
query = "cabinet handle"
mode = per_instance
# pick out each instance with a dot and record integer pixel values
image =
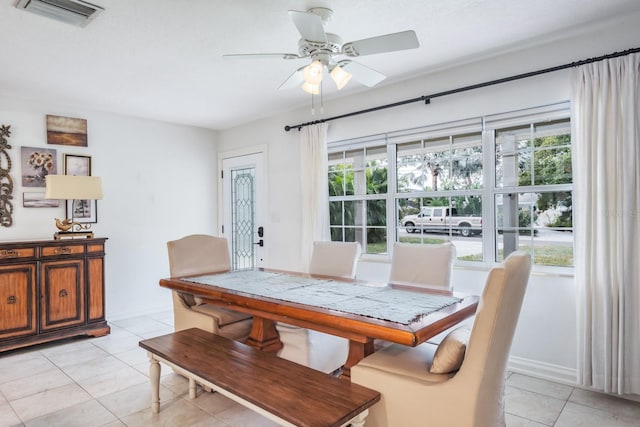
(63, 293)
(12, 299)
(63, 250)
(9, 253)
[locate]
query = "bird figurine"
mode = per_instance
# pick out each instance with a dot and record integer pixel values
(66, 225)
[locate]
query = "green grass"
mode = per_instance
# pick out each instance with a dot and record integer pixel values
(381, 248)
(427, 240)
(559, 256)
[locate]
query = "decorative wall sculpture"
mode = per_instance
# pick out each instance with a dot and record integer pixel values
(6, 183)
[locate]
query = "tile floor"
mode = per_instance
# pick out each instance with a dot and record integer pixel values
(104, 382)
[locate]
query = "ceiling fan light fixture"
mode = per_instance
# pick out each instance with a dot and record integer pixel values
(312, 73)
(340, 76)
(311, 88)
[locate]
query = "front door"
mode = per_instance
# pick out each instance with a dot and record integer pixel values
(243, 195)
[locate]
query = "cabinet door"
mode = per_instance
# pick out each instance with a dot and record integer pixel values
(17, 300)
(95, 287)
(62, 293)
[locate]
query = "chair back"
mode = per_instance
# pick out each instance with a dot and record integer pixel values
(338, 259)
(198, 254)
(422, 265)
(491, 336)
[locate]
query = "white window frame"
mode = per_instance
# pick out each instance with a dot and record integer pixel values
(487, 125)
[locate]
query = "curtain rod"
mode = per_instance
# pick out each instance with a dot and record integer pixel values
(427, 98)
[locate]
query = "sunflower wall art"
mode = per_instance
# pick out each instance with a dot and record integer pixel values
(36, 164)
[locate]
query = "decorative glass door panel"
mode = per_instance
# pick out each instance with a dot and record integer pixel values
(243, 216)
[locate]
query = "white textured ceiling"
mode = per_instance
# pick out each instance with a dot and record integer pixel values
(162, 59)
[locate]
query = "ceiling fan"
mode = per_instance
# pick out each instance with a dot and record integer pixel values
(323, 48)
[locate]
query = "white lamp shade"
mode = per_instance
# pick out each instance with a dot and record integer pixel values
(71, 187)
(312, 73)
(340, 76)
(309, 88)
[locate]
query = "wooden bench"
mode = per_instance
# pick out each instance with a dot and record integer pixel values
(288, 393)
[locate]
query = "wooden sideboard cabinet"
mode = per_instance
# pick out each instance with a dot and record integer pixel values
(51, 289)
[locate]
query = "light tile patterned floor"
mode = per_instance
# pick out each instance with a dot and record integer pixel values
(104, 382)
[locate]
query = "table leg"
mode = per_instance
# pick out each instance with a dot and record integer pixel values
(264, 335)
(154, 374)
(357, 352)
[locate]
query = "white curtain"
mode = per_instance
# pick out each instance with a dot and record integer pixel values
(315, 190)
(606, 171)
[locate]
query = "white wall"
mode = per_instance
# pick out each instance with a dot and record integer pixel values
(545, 341)
(158, 182)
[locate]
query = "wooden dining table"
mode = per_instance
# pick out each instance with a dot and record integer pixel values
(356, 310)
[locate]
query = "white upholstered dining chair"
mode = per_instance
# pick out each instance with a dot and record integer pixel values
(422, 266)
(427, 377)
(419, 265)
(314, 349)
(200, 254)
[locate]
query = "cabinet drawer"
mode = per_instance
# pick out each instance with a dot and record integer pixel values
(98, 247)
(17, 253)
(62, 250)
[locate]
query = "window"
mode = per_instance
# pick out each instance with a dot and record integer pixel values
(358, 197)
(490, 185)
(440, 181)
(533, 197)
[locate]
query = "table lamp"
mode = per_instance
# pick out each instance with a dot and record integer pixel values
(72, 187)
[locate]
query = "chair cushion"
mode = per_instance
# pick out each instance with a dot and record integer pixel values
(405, 361)
(450, 353)
(223, 315)
(187, 299)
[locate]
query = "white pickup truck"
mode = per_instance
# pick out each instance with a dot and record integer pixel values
(440, 220)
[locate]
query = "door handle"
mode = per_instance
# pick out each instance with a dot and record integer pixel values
(260, 243)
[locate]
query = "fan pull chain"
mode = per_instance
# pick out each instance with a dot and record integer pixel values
(321, 97)
(313, 110)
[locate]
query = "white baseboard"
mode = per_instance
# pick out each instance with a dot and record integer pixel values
(555, 373)
(542, 370)
(115, 316)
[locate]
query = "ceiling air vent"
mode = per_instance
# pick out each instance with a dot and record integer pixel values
(74, 12)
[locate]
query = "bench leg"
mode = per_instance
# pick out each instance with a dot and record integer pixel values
(192, 388)
(359, 420)
(154, 374)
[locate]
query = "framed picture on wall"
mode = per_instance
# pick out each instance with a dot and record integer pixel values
(83, 211)
(66, 131)
(77, 165)
(37, 163)
(32, 199)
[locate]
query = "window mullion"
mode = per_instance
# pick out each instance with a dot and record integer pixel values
(488, 203)
(392, 187)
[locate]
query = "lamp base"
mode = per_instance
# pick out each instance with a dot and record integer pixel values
(73, 235)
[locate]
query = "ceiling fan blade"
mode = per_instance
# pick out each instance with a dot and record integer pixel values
(309, 26)
(380, 44)
(365, 75)
(262, 55)
(294, 80)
